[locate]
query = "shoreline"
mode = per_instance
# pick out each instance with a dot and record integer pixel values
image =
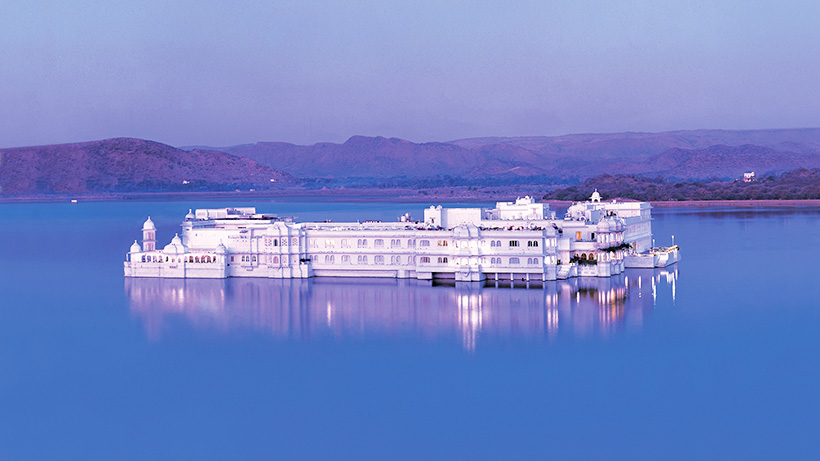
(389, 195)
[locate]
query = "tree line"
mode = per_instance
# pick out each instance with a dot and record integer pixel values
(800, 184)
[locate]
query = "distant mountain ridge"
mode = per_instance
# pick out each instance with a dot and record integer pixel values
(135, 165)
(689, 154)
(125, 164)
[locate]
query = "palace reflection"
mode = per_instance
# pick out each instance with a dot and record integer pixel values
(361, 308)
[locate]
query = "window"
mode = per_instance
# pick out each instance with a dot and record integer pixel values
(361, 259)
(361, 243)
(395, 260)
(379, 259)
(275, 259)
(345, 259)
(514, 261)
(442, 243)
(532, 261)
(329, 259)
(329, 243)
(409, 243)
(492, 243)
(498, 243)
(442, 260)
(378, 242)
(345, 243)
(284, 241)
(513, 243)
(425, 259)
(395, 243)
(532, 243)
(425, 243)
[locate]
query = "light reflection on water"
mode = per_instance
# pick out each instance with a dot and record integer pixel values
(346, 309)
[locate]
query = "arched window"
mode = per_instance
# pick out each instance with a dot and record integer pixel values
(492, 243)
(276, 259)
(514, 261)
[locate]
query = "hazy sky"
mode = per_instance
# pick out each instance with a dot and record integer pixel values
(230, 72)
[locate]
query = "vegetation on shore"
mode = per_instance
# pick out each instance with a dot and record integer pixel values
(800, 184)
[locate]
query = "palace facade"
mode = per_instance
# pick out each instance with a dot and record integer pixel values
(521, 240)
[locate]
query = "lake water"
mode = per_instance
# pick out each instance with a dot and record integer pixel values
(717, 357)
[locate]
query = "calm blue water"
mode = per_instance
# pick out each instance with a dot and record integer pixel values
(716, 358)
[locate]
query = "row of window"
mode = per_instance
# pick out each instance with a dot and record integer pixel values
(516, 261)
(171, 259)
(284, 241)
(409, 260)
(397, 243)
(363, 259)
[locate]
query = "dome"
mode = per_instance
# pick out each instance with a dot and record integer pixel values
(175, 247)
(135, 248)
(596, 197)
(149, 225)
(190, 216)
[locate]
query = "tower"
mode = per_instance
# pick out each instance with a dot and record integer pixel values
(149, 238)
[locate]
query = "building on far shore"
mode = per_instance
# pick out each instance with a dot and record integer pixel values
(749, 176)
(521, 240)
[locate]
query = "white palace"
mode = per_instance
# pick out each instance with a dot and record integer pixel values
(519, 240)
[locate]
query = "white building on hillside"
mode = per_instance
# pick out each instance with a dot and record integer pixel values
(519, 240)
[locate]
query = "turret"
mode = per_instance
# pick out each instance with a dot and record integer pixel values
(596, 197)
(149, 237)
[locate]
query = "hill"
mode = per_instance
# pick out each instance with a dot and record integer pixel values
(126, 164)
(799, 184)
(682, 154)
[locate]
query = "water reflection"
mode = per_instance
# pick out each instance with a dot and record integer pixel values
(359, 308)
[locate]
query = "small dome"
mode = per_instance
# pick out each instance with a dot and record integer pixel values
(190, 216)
(149, 225)
(596, 197)
(135, 248)
(220, 249)
(175, 247)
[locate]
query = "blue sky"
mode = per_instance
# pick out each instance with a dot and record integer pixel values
(222, 73)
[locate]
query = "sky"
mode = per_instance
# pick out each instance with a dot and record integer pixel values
(223, 73)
